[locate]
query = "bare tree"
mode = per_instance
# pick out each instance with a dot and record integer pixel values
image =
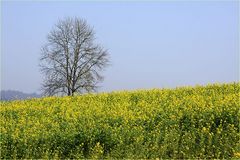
(71, 60)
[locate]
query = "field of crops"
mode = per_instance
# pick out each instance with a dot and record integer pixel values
(198, 122)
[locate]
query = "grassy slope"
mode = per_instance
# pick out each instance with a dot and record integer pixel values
(199, 122)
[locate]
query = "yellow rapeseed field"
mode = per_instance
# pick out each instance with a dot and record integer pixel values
(186, 122)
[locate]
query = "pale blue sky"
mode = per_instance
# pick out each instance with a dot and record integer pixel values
(152, 44)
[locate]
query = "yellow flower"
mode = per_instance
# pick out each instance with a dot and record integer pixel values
(204, 129)
(237, 155)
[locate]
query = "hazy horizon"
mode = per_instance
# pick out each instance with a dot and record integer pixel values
(151, 44)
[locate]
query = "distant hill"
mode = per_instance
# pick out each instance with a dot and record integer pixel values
(7, 95)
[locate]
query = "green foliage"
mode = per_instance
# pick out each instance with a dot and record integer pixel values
(182, 123)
